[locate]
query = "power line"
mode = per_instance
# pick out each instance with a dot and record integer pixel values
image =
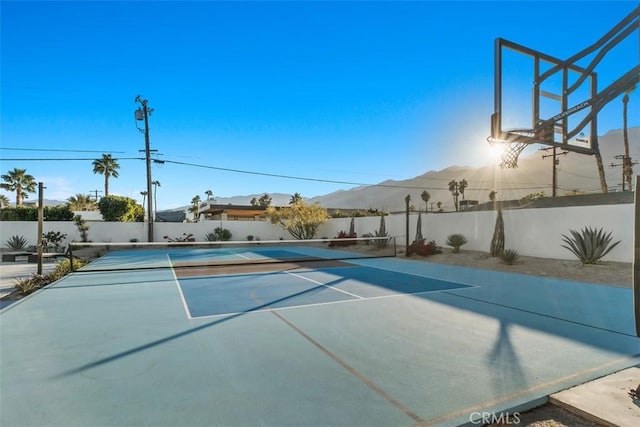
(65, 159)
(59, 150)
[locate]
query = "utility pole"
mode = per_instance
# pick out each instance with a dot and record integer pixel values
(627, 165)
(406, 201)
(142, 114)
(554, 170)
(40, 224)
(95, 193)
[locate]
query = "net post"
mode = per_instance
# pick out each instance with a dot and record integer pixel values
(636, 255)
(71, 257)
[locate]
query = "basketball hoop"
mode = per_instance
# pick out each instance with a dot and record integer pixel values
(510, 153)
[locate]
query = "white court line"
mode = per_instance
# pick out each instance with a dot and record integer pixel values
(182, 298)
(324, 284)
(317, 304)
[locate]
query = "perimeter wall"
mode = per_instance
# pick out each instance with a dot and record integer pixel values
(532, 232)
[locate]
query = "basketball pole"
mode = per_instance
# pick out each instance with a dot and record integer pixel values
(636, 255)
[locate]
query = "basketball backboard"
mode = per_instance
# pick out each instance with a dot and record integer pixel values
(541, 99)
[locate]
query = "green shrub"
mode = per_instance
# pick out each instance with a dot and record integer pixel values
(456, 241)
(589, 245)
(53, 238)
(509, 256)
(57, 213)
(28, 285)
(17, 243)
(219, 235)
(122, 209)
(184, 238)
(422, 248)
(83, 228)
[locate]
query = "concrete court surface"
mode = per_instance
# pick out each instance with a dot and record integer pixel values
(119, 349)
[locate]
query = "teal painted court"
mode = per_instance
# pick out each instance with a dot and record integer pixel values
(369, 342)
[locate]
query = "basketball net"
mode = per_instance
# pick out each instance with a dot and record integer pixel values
(511, 152)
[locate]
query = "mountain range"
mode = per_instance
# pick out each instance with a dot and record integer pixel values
(576, 174)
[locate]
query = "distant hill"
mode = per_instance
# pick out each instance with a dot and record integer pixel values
(576, 173)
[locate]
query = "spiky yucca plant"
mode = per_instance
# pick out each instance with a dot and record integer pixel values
(589, 245)
(509, 256)
(17, 243)
(455, 241)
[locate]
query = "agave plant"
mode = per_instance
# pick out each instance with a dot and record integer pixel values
(589, 245)
(455, 241)
(509, 256)
(17, 243)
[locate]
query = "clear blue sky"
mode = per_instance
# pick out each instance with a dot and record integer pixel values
(347, 91)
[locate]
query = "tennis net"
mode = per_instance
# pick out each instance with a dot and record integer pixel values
(182, 255)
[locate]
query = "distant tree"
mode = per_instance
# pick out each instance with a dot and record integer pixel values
(299, 219)
(254, 202)
(264, 200)
(195, 206)
(82, 202)
(462, 185)
(425, 196)
(492, 195)
(144, 195)
(155, 184)
(107, 166)
(121, 209)
(439, 205)
(534, 196)
(295, 198)
(209, 194)
(453, 188)
(21, 182)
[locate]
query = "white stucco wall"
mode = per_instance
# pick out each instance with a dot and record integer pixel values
(532, 232)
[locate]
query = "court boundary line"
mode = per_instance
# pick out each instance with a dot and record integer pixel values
(323, 284)
(185, 305)
(266, 310)
(505, 398)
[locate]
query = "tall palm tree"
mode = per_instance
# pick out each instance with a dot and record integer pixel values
(155, 184)
(144, 195)
(195, 205)
(453, 188)
(461, 186)
(107, 166)
(21, 182)
(295, 198)
(425, 196)
(81, 202)
(209, 194)
(627, 166)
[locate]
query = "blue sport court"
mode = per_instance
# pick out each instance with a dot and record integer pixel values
(300, 336)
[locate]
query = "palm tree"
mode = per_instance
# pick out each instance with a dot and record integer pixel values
(155, 184)
(461, 186)
(21, 182)
(195, 205)
(627, 166)
(453, 188)
(108, 167)
(4, 201)
(144, 198)
(209, 193)
(425, 196)
(295, 198)
(81, 202)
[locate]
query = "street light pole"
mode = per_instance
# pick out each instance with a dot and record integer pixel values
(142, 114)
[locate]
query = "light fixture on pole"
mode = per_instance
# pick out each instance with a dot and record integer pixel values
(142, 114)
